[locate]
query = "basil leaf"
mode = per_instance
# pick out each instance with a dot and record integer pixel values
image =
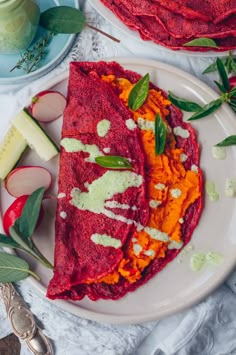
(223, 74)
(207, 109)
(221, 87)
(62, 19)
(139, 93)
(160, 135)
(13, 268)
(232, 92)
(233, 107)
(29, 217)
(8, 242)
(113, 162)
(183, 104)
(231, 140)
(233, 65)
(228, 64)
(202, 42)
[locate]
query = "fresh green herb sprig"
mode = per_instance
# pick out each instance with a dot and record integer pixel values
(66, 19)
(227, 95)
(113, 162)
(202, 42)
(30, 59)
(136, 99)
(231, 140)
(21, 236)
(139, 93)
(13, 268)
(229, 63)
(160, 135)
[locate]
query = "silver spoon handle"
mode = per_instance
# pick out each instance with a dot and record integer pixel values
(22, 321)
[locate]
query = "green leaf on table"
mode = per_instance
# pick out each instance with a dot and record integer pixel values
(160, 135)
(113, 162)
(233, 65)
(13, 268)
(210, 69)
(63, 19)
(8, 242)
(139, 93)
(202, 42)
(232, 92)
(231, 140)
(221, 87)
(183, 104)
(29, 217)
(222, 73)
(228, 64)
(207, 109)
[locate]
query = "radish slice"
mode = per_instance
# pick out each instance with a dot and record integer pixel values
(26, 179)
(48, 105)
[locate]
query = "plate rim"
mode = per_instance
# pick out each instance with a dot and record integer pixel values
(73, 307)
(118, 24)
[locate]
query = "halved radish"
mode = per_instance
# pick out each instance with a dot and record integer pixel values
(26, 179)
(48, 105)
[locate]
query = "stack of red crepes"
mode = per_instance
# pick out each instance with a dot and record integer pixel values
(173, 23)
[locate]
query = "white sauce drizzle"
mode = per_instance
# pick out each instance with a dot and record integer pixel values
(183, 157)
(156, 234)
(106, 240)
(230, 187)
(176, 193)
(146, 125)
(179, 131)
(154, 203)
(218, 152)
(175, 245)
(124, 206)
(160, 186)
(104, 188)
(130, 124)
(137, 248)
(194, 168)
(63, 214)
(73, 145)
(149, 252)
(107, 150)
(103, 127)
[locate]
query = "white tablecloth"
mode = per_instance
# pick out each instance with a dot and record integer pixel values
(208, 328)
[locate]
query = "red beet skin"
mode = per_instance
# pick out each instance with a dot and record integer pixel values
(77, 258)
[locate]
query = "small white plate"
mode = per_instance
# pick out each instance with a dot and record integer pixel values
(115, 21)
(176, 286)
(56, 51)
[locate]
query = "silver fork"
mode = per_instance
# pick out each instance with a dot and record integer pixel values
(22, 321)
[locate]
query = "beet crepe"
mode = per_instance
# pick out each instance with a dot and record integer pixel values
(178, 26)
(115, 229)
(207, 10)
(170, 29)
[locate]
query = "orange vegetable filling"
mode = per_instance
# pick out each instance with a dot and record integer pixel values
(171, 189)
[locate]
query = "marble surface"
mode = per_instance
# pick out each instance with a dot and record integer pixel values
(207, 328)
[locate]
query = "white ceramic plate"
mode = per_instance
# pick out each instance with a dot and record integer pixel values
(109, 16)
(176, 287)
(57, 49)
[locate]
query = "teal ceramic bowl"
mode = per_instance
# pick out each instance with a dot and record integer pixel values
(58, 48)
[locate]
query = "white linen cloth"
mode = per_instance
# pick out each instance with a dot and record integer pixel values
(206, 329)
